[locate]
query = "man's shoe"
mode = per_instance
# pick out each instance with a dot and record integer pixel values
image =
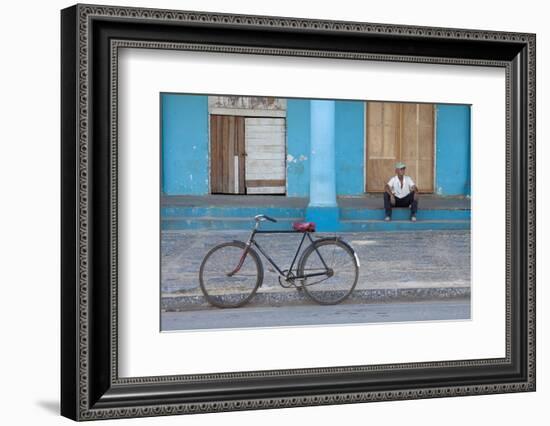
(413, 218)
(387, 218)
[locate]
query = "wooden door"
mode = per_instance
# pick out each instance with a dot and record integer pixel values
(227, 154)
(399, 132)
(383, 143)
(265, 142)
(417, 144)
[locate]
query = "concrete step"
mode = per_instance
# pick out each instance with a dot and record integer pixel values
(404, 214)
(235, 223)
(243, 212)
(402, 225)
(248, 212)
(224, 223)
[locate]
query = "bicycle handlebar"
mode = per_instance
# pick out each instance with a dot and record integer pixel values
(261, 217)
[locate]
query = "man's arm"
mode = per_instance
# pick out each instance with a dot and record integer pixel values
(414, 190)
(413, 185)
(387, 189)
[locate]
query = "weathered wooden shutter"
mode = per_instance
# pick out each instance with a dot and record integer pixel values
(383, 143)
(417, 144)
(265, 155)
(227, 162)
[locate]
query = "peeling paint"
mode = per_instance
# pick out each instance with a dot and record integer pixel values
(298, 139)
(291, 159)
(247, 102)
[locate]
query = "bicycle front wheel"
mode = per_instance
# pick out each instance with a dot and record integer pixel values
(337, 267)
(222, 287)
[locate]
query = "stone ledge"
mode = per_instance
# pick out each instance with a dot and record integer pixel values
(366, 296)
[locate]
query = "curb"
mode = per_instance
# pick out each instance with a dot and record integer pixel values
(367, 296)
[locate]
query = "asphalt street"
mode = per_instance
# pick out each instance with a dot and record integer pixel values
(301, 315)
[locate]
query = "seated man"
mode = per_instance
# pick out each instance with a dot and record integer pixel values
(400, 191)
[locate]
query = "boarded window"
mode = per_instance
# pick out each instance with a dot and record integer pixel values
(248, 155)
(265, 155)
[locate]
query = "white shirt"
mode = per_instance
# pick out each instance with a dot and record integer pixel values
(400, 191)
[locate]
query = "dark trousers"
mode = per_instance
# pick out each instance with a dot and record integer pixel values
(406, 201)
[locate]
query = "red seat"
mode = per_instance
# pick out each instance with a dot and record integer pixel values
(304, 226)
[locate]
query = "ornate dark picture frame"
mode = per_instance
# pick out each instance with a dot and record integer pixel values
(91, 387)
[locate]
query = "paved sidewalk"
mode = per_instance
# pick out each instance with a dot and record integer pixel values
(407, 266)
(365, 201)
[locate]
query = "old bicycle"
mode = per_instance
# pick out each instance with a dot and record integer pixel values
(232, 272)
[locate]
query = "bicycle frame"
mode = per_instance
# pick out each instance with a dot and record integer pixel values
(251, 241)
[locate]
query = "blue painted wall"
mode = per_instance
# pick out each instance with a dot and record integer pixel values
(452, 175)
(298, 147)
(350, 147)
(185, 162)
(184, 144)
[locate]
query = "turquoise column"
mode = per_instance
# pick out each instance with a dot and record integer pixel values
(322, 208)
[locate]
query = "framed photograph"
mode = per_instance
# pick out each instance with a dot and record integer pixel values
(335, 221)
(263, 212)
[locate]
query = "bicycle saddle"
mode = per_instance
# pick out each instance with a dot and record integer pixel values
(304, 226)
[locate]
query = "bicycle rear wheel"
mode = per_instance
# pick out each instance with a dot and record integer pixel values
(223, 290)
(343, 267)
